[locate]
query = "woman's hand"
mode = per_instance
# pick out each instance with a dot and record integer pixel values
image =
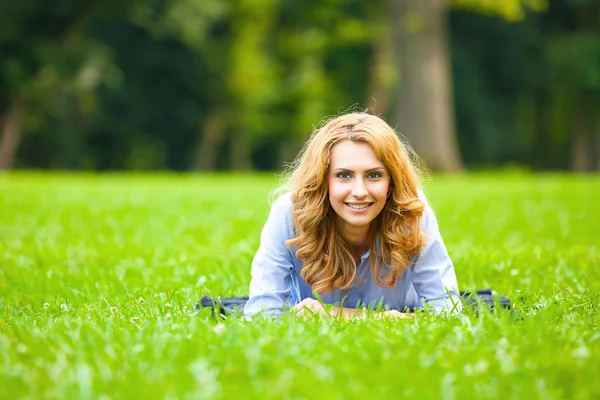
(397, 314)
(309, 307)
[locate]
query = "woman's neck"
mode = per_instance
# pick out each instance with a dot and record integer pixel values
(357, 239)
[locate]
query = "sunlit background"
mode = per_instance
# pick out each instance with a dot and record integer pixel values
(240, 84)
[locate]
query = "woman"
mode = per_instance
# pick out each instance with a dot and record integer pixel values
(355, 231)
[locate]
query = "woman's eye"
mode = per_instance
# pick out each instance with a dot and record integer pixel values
(374, 175)
(343, 175)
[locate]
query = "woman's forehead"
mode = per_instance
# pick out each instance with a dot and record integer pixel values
(354, 156)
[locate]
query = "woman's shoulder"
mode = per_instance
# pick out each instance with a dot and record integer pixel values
(281, 213)
(428, 213)
(281, 208)
(283, 203)
(429, 221)
(421, 195)
(423, 198)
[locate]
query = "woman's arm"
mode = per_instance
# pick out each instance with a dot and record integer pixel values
(434, 277)
(272, 265)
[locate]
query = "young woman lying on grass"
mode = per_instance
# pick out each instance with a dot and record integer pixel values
(355, 230)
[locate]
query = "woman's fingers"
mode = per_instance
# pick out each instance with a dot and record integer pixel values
(397, 314)
(308, 306)
(311, 306)
(298, 308)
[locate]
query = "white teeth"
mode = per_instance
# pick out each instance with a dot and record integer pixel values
(358, 206)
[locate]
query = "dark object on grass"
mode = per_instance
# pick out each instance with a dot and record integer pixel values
(485, 297)
(227, 305)
(235, 305)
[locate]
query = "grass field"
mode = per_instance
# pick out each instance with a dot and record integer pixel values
(99, 273)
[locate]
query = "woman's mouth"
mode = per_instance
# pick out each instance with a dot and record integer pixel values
(358, 206)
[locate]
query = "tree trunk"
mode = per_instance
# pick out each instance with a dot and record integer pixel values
(379, 79)
(63, 32)
(580, 146)
(10, 129)
(209, 148)
(424, 107)
(240, 152)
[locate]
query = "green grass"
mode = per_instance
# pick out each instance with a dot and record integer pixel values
(98, 274)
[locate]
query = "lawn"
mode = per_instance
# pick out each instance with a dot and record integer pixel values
(99, 275)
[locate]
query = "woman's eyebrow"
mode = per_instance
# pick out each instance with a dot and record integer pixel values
(350, 170)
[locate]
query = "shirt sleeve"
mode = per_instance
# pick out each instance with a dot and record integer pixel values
(272, 265)
(434, 277)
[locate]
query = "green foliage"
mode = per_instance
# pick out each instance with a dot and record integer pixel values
(189, 20)
(521, 100)
(133, 85)
(575, 60)
(512, 10)
(100, 273)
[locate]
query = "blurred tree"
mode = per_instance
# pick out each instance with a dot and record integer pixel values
(221, 84)
(527, 92)
(147, 120)
(44, 52)
(233, 39)
(497, 66)
(324, 49)
(275, 70)
(204, 27)
(573, 56)
(423, 104)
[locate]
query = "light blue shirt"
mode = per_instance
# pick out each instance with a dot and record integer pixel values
(277, 284)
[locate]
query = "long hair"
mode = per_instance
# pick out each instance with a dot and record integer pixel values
(395, 234)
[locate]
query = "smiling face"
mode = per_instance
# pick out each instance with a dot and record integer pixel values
(358, 185)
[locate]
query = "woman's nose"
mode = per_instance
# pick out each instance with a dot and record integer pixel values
(359, 189)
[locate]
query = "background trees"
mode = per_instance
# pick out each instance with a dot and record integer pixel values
(424, 108)
(239, 84)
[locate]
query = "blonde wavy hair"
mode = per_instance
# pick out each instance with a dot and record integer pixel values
(395, 234)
